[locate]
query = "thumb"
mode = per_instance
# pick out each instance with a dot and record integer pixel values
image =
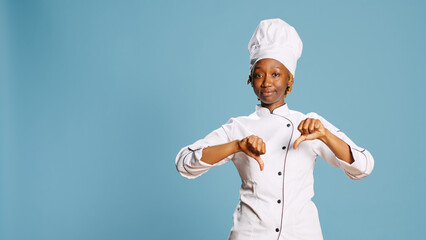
(298, 141)
(258, 159)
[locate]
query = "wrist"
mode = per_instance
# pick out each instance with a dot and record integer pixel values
(236, 146)
(326, 137)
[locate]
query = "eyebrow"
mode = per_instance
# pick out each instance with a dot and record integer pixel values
(271, 67)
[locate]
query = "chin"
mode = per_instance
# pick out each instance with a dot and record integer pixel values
(270, 99)
(268, 102)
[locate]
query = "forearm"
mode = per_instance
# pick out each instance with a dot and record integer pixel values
(214, 154)
(339, 147)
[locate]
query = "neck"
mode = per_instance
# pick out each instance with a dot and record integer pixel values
(272, 106)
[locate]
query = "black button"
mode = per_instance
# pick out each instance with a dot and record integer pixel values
(279, 173)
(288, 125)
(284, 147)
(279, 201)
(277, 229)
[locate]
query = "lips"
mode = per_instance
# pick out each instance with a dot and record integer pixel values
(266, 93)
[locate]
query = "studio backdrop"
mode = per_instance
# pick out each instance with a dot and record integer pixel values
(98, 97)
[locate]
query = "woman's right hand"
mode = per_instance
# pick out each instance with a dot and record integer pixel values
(253, 146)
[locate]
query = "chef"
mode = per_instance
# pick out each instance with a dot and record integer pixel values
(274, 149)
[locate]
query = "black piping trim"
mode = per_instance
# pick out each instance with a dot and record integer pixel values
(285, 160)
(358, 150)
(349, 174)
(366, 163)
(183, 163)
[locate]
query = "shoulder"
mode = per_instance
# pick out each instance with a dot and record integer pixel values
(313, 115)
(301, 116)
(326, 123)
(252, 116)
(242, 121)
(236, 120)
(296, 113)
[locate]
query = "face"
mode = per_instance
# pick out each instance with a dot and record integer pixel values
(270, 79)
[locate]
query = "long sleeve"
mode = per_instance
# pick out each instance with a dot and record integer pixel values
(188, 160)
(363, 161)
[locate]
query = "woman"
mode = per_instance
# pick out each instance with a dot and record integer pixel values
(274, 148)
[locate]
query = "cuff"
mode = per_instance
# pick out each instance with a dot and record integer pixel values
(197, 149)
(357, 167)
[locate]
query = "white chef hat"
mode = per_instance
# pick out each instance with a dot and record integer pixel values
(276, 39)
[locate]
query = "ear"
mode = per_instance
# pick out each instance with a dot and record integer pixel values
(290, 81)
(250, 80)
(289, 84)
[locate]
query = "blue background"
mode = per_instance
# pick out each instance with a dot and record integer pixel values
(97, 98)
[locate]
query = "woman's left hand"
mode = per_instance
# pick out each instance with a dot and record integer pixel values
(310, 129)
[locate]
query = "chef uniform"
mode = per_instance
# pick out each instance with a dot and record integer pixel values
(274, 203)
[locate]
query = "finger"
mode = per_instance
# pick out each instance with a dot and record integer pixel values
(255, 143)
(249, 142)
(317, 125)
(306, 126)
(320, 125)
(298, 141)
(311, 127)
(250, 139)
(259, 146)
(301, 126)
(263, 148)
(251, 145)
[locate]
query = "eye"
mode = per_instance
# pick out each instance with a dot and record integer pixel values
(257, 75)
(275, 74)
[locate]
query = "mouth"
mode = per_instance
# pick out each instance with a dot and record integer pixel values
(266, 93)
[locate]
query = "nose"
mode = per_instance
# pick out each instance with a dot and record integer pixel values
(267, 81)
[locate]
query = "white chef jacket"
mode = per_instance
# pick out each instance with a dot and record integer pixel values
(275, 203)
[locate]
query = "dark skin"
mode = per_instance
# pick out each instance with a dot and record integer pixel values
(271, 82)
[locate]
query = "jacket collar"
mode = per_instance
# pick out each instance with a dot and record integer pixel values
(281, 110)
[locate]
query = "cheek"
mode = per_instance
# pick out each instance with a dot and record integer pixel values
(279, 84)
(256, 89)
(284, 85)
(256, 92)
